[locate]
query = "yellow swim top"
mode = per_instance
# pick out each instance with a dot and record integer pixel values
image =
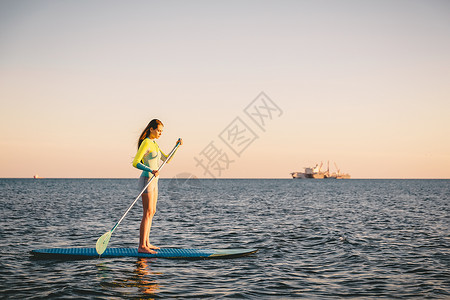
(148, 156)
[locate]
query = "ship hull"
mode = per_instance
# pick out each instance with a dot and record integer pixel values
(317, 173)
(300, 175)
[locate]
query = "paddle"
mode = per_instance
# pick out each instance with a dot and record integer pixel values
(103, 241)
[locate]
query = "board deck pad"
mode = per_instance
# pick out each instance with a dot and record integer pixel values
(172, 253)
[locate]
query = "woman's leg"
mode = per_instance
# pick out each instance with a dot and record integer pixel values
(149, 200)
(144, 230)
(153, 199)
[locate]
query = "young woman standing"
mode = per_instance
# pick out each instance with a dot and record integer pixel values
(147, 159)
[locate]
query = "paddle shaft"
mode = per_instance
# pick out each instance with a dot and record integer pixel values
(148, 183)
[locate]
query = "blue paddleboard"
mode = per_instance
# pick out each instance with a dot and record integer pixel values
(173, 253)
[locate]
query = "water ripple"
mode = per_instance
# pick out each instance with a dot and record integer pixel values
(316, 239)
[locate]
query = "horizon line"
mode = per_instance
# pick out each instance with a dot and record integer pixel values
(228, 178)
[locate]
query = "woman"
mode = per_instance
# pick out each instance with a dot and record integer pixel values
(147, 159)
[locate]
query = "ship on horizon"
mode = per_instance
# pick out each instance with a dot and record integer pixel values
(317, 173)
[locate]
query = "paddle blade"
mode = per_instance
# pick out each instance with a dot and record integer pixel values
(102, 243)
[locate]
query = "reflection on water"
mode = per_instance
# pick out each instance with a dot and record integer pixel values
(145, 278)
(142, 280)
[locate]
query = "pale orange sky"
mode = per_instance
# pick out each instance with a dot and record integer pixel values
(364, 84)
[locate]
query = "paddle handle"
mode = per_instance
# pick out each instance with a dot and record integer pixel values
(148, 183)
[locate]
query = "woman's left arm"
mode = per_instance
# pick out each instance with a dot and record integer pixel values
(164, 156)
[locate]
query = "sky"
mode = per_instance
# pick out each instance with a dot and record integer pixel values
(256, 89)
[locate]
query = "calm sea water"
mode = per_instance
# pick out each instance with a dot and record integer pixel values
(316, 239)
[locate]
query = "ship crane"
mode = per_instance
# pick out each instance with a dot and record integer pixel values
(338, 171)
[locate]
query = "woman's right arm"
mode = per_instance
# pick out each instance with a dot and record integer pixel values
(140, 155)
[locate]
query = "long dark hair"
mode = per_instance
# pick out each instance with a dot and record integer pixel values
(146, 133)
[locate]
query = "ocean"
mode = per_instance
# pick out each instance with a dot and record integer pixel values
(319, 239)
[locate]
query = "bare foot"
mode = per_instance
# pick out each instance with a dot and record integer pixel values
(150, 246)
(145, 249)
